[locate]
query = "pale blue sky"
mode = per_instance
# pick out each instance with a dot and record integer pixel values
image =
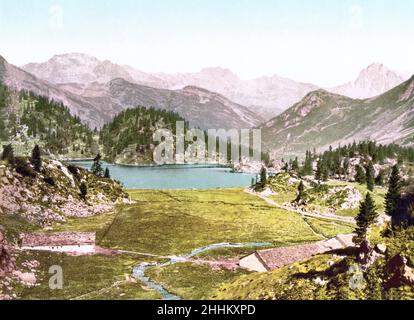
(325, 42)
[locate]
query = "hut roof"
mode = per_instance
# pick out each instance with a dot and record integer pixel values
(57, 239)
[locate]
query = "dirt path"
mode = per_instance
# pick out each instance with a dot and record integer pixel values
(99, 291)
(302, 213)
(316, 233)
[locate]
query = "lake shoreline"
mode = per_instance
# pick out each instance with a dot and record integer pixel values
(174, 176)
(190, 165)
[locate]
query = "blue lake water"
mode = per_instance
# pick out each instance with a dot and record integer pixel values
(174, 176)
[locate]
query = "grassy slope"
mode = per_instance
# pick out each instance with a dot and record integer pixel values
(86, 277)
(193, 281)
(329, 228)
(324, 277)
(271, 285)
(288, 193)
(378, 195)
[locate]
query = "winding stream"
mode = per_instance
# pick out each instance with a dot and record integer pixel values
(139, 270)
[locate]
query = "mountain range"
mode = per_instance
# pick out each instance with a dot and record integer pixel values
(266, 96)
(376, 106)
(324, 119)
(96, 103)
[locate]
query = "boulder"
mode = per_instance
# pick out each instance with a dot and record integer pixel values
(381, 248)
(399, 273)
(28, 279)
(408, 276)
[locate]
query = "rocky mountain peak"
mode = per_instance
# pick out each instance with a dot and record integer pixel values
(76, 58)
(376, 71)
(374, 80)
(219, 71)
(376, 66)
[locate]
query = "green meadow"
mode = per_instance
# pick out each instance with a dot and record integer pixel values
(166, 223)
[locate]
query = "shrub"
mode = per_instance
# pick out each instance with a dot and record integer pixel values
(50, 181)
(8, 154)
(83, 190)
(22, 167)
(73, 170)
(36, 159)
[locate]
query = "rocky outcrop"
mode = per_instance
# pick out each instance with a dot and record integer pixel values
(53, 195)
(400, 273)
(7, 262)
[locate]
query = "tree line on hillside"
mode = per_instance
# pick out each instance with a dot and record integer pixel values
(20, 164)
(46, 120)
(336, 163)
(399, 205)
(136, 126)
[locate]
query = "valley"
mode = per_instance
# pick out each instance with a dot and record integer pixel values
(170, 223)
(189, 244)
(332, 192)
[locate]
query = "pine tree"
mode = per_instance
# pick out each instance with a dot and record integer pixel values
(107, 174)
(295, 165)
(8, 154)
(83, 190)
(301, 193)
(307, 167)
(322, 172)
(336, 166)
(318, 173)
(370, 176)
(380, 179)
(360, 176)
(36, 159)
(263, 176)
(366, 217)
(346, 167)
(97, 166)
(394, 192)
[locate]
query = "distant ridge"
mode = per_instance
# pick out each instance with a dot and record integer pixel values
(97, 103)
(322, 119)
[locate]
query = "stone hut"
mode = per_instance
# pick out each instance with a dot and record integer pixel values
(70, 242)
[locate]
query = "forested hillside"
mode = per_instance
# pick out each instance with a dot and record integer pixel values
(129, 137)
(27, 119)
